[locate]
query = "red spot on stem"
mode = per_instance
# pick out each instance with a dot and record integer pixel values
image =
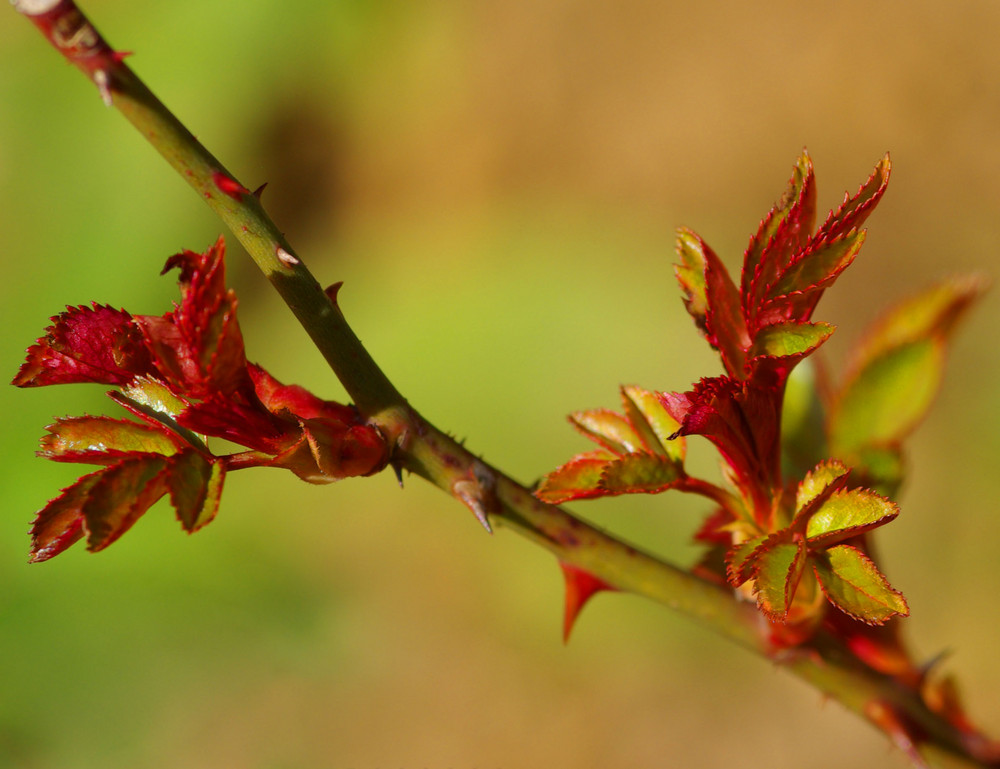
(231, 187)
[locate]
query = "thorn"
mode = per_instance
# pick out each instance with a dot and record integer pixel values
(286, 257)
(398, 470)
(259, 191)
(468, 492)
(581, 586)
(332, 291)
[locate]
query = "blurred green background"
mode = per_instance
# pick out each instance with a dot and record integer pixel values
(497, 183)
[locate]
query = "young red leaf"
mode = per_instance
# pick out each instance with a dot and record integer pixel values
(608, 428)
(199, 348)
(84, 344)
(120, 496)
(847, 514)
(103, 440)
(195, 485)
(60, 523)
(580, 478)
(645, 412)
(852, 582)
(817, 264)
(713, 300)
(690, 274)
(741, 560)
(781, 234)
(854, 211)
(581, 586)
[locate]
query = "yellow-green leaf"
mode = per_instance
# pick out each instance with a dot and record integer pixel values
(852, 582)
(646, 412)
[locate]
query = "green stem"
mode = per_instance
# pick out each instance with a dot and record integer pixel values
(428, 452)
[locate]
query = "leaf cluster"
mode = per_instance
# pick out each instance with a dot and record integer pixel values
(182, 376)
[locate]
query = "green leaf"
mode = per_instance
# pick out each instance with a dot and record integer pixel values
(652, 421)
(888, 397)
(155, 395)
(853, 583)
(776, 576)
(803, 422)
(847, 514)
(789, 339)
(690, 274)
(102, 440)
(195, 484)
(640, 473)
(820, 479)
(741, 560)
(611, 430)
(898, 366)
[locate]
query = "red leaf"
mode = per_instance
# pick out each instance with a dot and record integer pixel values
(781, 234)
(84, 344)
(854, 211)
(580, 478)
(581, 586)
(199, 347)
(120, 496)
(60, 523)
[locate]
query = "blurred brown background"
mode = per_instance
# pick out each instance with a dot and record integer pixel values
(498, 184)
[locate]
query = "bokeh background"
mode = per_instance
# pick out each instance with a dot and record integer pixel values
(498, 184)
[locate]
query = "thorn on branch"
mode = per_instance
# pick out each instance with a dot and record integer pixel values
(478, 493)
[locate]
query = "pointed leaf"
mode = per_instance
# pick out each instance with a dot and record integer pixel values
(847, 514)
(84, 344)
(790, 339)
(854, 211)
(690, 274)
(103, 440)
(60, 523)
(120, 496)
(777, 572)
(803, 421)
(818, 264)
(640, 472)
(195, 485)
(581, 586)
(852, 582)
(781, 234)
(645, 411)
(828, 476)
(741, 560)
(933, 312)
(580, 478)
(611, 430)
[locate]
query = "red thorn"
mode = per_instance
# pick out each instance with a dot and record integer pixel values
(231, 187)
(580, 588)
(121, 55)
(259, 191)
